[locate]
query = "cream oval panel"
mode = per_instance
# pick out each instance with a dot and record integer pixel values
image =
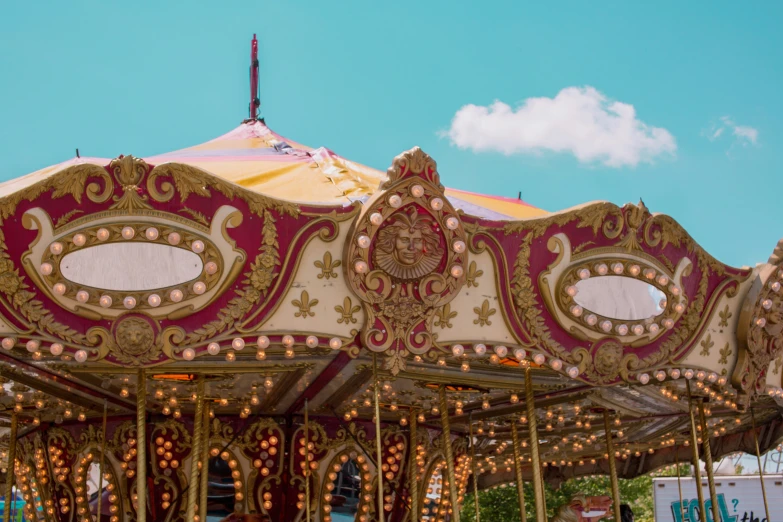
(131, 266)
(620, 297)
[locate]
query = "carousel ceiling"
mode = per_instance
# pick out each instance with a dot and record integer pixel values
(283, 273)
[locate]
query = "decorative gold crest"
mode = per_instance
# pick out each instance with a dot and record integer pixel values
(406, 258)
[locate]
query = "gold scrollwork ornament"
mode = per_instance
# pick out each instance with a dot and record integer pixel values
(406, 258)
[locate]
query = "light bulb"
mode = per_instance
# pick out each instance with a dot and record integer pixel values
(199, 288)
(238, 344)
(56, 349)
(129, 302)
(174, 238)
(128, 232)
(151, 233)
(452, 223)
(376, 218)
(335, 343)
(59, 288)
(311, 341)
(436, 203)
(56, 248)
(360, 267)
(82, 296)
(102, 234)
(457, 271)
(46, 269)
(395, 201)
(363, 241)
(154, 300)
(79, 240)
(417, 191)
(188, 354)
(80, 356)
(176, 295)
(288, 340)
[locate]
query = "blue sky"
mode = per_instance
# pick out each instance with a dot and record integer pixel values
(371, 79)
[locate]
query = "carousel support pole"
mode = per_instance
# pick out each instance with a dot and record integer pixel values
(517, 470)
(679, 481)
(758, 459)
(538, 483)
(378, 445)
(9, 476)
(695, 445)
(202, 502)
(306, 469)
(446, 434)
(705, 436)
(195, 453)
(100, 464)
(473, 470)
(612, 466)
(141, 444)
(413, 484)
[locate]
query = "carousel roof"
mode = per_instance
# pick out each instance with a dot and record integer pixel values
(256, 158)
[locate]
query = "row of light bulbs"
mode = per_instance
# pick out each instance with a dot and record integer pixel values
(129, 302)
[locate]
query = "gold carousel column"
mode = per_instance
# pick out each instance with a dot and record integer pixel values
(9, 476)
(612, 466)
(679, 482)
(473, 466)
(517, 470)
(195, 452)
(202, 502)
(306, 469)
(141, 444)
(378, 445)
(758, 458)
(695, 445)
(705, 436)
(413, 487)
(538, 483)
(100, 464)
(446, 434)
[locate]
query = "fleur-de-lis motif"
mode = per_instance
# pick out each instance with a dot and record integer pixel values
(706, 345)
(346, 311)
(484, 313)
(725, 353)
(304, 303)
(473, 274)
(725, 315)
(445, 315)
(327, 266)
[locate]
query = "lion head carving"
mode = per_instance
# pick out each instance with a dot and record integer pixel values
(134, 340)
(607, 359)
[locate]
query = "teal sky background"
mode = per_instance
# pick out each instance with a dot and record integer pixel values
(371, 79)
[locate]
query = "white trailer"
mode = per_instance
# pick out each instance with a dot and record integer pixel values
(739, 499)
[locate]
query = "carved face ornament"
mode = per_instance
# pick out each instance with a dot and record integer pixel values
(408, 247)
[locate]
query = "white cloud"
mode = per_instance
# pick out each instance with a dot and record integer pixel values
(743, 134)
(579, 121)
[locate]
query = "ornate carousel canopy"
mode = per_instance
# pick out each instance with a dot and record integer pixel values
(226, 292)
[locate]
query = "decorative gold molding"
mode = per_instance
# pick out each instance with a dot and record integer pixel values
(405, 258)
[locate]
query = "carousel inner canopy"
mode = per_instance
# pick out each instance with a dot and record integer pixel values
(620, 297)
(131, 266)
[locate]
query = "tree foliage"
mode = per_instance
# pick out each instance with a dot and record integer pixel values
(500, 504)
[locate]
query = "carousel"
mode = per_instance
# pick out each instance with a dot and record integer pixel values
(257, 327)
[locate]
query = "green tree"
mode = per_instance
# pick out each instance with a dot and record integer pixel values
(500, 504)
